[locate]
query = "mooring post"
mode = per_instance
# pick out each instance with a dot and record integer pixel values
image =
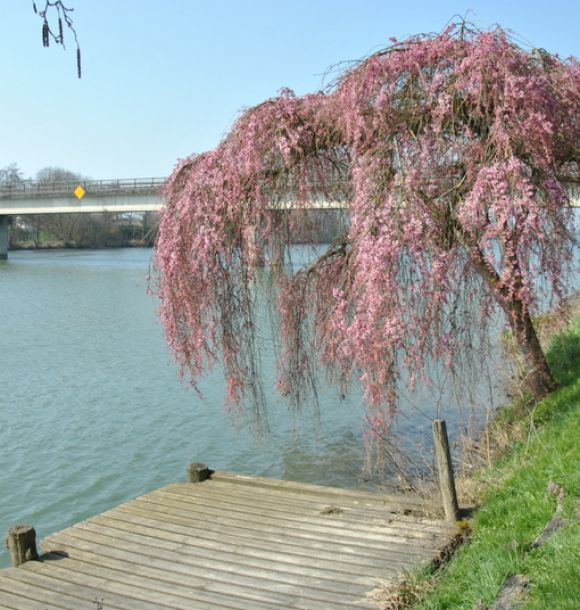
(445, 467)
(196, 473)
(21, 543)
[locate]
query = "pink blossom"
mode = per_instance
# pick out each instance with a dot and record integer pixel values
(448, 151)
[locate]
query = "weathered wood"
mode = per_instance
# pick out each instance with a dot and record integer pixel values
(21, 543)
(13, 601)
(196, 473)
(77, 592)
(151, 583)
(445, 467)
(406, 502)
(308, 567)
(388, 557)
(52, 600)
(305, 595)
(274, 577)
(287, 500)
(263, 548)
(162, 578)
(276, 543)
(235, 543)
(351, 526)
(296, 532)
(354, 519)
(301, 532)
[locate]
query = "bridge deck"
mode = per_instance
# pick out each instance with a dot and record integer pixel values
(234, 542)
(135, 195)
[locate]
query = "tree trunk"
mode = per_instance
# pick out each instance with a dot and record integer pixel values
(539, 380)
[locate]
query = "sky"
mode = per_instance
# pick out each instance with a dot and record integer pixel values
(163, 80)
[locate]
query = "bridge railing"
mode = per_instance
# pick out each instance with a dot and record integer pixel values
(28, 188)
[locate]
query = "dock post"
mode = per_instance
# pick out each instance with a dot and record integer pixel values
(21, 543)
(196, 473)
(445, 467)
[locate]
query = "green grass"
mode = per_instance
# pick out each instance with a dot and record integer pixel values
(516, 507)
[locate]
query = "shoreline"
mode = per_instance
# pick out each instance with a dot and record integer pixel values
(59, 246)
(525, 452)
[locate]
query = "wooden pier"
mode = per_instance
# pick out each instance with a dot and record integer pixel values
(231, 542)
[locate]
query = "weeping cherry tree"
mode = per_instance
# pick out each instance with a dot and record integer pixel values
(449, 153)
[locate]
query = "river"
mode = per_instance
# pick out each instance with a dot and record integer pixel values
(93, 413)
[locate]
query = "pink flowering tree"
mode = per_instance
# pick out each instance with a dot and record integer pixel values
(449, 154)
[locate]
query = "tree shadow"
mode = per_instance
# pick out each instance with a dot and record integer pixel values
(564, 358)
(564, 361)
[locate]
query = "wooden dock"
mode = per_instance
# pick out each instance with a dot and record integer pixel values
(231, 542)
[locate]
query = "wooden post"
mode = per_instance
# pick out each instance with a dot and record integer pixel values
(21, 542)
(196, 473)
(445, 467)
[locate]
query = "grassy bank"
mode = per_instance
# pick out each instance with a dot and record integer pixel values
(517, 505)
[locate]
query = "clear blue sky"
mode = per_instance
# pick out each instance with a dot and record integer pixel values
(165, 79)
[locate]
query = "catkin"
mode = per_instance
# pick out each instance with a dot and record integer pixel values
(45, 33)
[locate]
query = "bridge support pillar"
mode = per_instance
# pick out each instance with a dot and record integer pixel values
(4, 223)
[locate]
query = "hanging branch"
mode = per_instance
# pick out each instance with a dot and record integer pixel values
(57, 34)
(446, 150)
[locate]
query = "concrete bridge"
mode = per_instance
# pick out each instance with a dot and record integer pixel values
(125, 195)
(130, 195)
(27, 197)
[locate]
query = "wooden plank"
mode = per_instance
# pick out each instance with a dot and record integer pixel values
(122, 593)
(11, 601)
(285, 496)
(234, 543)
(265, 576)
(373, 517)
(48, 598)
(380, 560)
(296, 502)
(377, 538)
(277, 501)
(272, 534)
(173, 578)
(355, 520)
(169, 562)
(299, 522)
(82, 590)
(276, 537)
(180, 589)
(197, 538)
(407, 501)
(240, 555)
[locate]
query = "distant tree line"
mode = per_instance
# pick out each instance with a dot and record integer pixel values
(98, 230)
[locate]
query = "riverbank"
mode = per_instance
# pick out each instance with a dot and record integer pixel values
(82, 231)
(59, 245)
(524, 541)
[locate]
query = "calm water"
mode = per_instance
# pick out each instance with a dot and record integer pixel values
(92, 412)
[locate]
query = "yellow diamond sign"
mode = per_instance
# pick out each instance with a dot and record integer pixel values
(79, 192)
